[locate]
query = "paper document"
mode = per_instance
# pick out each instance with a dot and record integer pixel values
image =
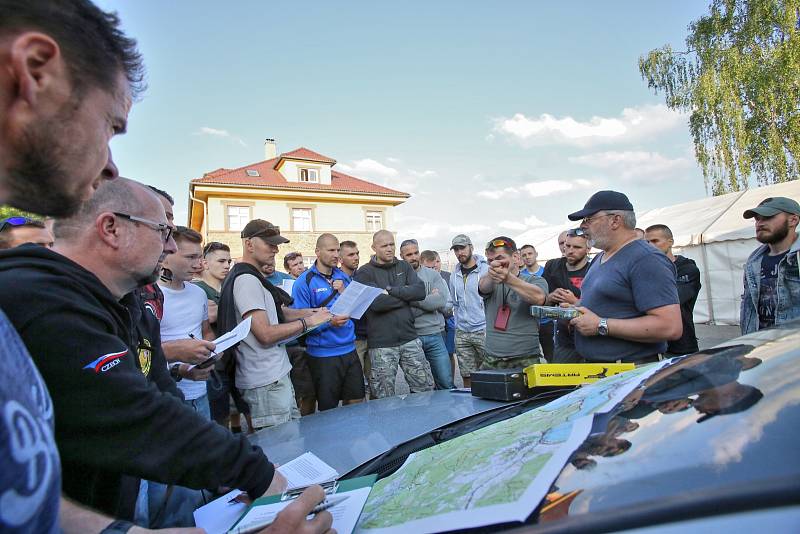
(228, 340)
(219, 515)
(301, 334)
(355, 300)
(305, 470)
(345, 514)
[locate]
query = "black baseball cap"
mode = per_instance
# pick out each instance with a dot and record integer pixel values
(265, 230)
(772, 206)
(600, 201)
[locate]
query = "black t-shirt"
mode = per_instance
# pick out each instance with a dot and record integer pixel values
(768, 294)
(467, 270)
(688, 280)
(559, 277)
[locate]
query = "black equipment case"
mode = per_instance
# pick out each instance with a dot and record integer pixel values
(502, 385)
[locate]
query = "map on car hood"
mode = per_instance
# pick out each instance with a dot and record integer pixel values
(496, 474)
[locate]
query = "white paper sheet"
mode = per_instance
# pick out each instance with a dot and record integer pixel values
(345, 514)
(226, 341)
(287, 284)
(305, 470)
(218, 516)
(355, 300)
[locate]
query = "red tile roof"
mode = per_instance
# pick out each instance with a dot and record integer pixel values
(270, 178)
(307, 155)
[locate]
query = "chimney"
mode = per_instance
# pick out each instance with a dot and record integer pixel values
(270, 150)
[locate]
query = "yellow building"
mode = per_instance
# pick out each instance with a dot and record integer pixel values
(298, 191)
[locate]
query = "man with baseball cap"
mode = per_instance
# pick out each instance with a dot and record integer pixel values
(468, 306)
(262, 365)
(771, 280)
(629, 299)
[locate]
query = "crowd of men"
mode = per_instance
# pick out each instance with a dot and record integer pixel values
(117, 409)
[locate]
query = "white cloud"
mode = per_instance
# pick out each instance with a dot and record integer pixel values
(468, 228)
(533, 221)
(215, 132)
(393, 160)
(423, 174)
(633, 123)
(634, 164)
(512, 225)
(539, 189)
(369, 168)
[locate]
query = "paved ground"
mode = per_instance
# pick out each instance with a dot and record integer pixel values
(707, 336)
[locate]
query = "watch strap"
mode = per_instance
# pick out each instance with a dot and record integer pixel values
(118, 527)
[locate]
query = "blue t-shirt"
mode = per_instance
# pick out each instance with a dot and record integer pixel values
(276, 278)
(30, 469)
(312, 290)
(636, 279)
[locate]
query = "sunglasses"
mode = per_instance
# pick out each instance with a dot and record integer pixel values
(16, 221)
(501, 243)
(409, 242)
(213, 247)
(576, 232)
(272, 231)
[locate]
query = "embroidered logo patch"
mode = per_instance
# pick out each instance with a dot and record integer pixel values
(106, 361)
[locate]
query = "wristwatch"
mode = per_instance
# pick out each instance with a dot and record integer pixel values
(118, 527)
(602, 328)
(175, 372)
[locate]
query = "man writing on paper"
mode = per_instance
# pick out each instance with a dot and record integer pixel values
(262, 365)
(331, 349)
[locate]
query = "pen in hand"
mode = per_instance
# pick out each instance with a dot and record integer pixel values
(324, 505)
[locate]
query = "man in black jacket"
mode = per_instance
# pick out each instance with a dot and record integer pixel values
(111, 422)
(391, 336)
(688, 280)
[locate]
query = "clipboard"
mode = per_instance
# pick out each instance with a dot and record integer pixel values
(343, 486)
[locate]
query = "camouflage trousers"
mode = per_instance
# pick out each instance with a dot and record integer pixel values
(517, 362)
(469, 351)
(383, 370)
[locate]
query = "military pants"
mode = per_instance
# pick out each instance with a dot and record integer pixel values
(383, 369)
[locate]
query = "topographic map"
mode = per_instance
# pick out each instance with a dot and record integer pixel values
(496, 474)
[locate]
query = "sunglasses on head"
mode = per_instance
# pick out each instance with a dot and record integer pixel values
(495, 243)
(575, 232)
(16, 221)
(409, 242)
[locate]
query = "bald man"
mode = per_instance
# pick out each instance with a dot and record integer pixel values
(335, 368)
(391, 335)
(113, 425)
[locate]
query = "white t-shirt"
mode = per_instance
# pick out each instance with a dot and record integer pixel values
(184, 313)
(257, 364)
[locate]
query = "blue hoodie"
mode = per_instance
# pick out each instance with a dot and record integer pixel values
(311, 290)
(467, 303)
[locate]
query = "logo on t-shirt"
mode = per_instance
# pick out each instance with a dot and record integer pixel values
(145, 356)
(576, 281)
(106, 361)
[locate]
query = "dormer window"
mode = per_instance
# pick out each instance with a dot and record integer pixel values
(309, 175)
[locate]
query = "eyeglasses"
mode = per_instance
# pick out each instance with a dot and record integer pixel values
(588, 220)
(166, 231)
(576, 232)
(16, 221)
(215, 246)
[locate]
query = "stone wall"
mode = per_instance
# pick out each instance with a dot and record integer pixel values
(303, 242)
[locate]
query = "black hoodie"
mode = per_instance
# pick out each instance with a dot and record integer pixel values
(390, 320)
(112, 423)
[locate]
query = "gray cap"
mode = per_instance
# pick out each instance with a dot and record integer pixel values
(460, 241)
(772, 206)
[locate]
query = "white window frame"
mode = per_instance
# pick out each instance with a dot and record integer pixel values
(371, 218)
(311, 175)
(241, 217)
(304, 220)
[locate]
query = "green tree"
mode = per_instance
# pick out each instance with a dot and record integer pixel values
(8, 211)
(739, 80)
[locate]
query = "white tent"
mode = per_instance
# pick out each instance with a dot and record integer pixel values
(712, 232)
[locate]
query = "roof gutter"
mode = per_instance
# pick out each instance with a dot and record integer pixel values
(204, 226)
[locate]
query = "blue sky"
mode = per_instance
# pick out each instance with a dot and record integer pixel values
(497, 117)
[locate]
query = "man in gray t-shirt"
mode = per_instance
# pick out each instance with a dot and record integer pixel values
(512, 334)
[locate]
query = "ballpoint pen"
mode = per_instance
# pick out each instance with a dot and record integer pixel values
(324, 505)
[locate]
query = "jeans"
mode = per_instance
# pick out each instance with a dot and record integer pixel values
(200, 405)
(436, 352)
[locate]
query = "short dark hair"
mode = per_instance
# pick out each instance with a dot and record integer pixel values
(428, 255)
(523, 247)
(407, 242)
(348, 244)
(164, 194)
(182, 233)
(660, 228)
(91, 41)
(6, 226)
(214, 246)
(291, 257)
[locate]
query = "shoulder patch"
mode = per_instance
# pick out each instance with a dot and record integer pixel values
(106, 361)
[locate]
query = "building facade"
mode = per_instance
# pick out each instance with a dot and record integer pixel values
(299, 191)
